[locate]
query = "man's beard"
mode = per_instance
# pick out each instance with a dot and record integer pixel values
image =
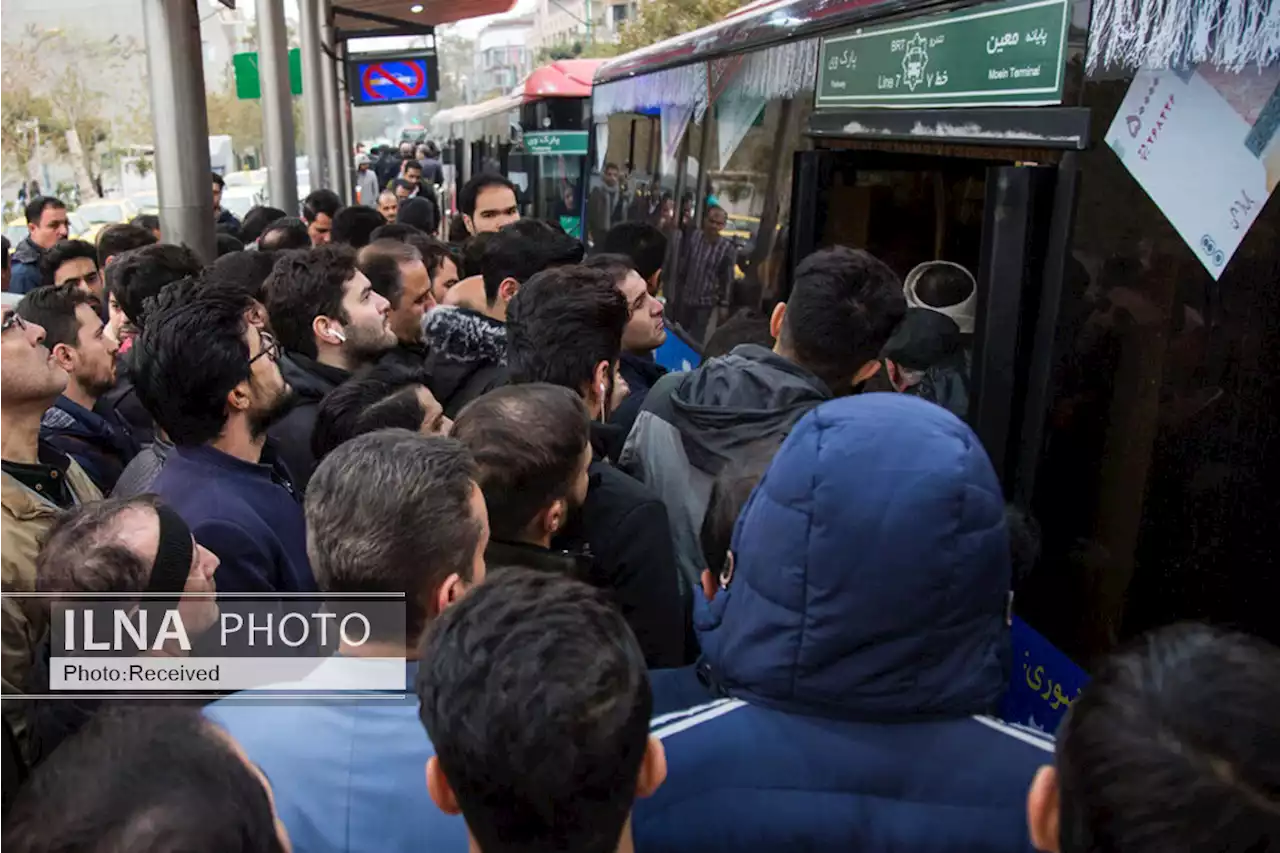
(366, 346)
(262, 420)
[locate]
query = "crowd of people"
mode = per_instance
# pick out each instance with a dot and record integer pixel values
(763, 604)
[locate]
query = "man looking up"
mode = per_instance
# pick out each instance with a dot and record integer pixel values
(212, 380)
(398, 274)
(571, 683)
(565, 328)
(330, 322)
(387, 512)
(318, 210)
(74, 334)
(844, 306)
(646, 330)
(532, 446)
(488, 202)
(37, 482)
(73, 263)
(46, 225)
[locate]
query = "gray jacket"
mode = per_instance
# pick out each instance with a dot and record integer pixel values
(367, 184)
(696, 426)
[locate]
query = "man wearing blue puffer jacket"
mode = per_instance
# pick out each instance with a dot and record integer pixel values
(856, 640)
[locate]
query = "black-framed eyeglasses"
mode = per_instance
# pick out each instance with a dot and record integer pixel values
(270, 347)
(12, 319)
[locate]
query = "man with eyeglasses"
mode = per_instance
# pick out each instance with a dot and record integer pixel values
(37, 482)
(76, 338)
(47, 224)
(73, 263)
(212, 379)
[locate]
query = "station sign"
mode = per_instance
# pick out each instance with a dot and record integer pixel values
(549, 143)
(248, 82)
(402, 78)
(1008, 53)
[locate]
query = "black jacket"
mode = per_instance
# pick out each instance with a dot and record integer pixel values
(408, 357)
(102, 448)
(468, 356)
(625, 528)
(641, 374)
(310, 380)
(521, 555)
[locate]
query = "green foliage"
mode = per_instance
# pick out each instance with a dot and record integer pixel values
(659, 20)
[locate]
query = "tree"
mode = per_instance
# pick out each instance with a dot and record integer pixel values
(659, 20)
(455, 54)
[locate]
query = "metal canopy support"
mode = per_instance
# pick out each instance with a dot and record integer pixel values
(344, 124)
(334, 154)
(172, 29)
(312, 89)
(277, 105)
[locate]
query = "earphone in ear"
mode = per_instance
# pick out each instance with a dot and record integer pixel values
(337, 333)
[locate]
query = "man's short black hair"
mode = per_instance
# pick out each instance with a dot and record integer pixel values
(55, 309)
(321, 201)
(244, 273)
(745, 327)
(63, 251)
(187, 359)
(643, 243)
(943, 285)
(383, 397)
(390, 511)
(217, 179)
(561, 324)
(473, 253)
(118, 238)
(412, 164)
(147, 778)
(38, 205)
(522, 249)
(303, 286)
(354, 225)
(472, 189)
(535, 695)
(1173, 745)
(617, 267)
(256, 221)
(399, 183)
(528, 442)
(380, 262)
(289, 232)
(432, 250)
(226, 244)
(420, 213)
(138, 275)
(842, 310)
(146, 221)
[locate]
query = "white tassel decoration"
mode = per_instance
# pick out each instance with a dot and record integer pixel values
(1230, 34)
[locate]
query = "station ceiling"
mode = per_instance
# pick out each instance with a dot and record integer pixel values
(404, 17)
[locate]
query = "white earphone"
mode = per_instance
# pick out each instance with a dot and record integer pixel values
(337, 333)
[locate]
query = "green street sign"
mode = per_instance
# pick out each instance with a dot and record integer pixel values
(546, 143)
(248, 84)
(1007, 53)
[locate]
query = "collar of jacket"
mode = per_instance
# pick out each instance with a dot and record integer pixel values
(603, 437)
(68, 416)
(502, 554)
(643, 369)
(27, 252)
(461, 334)
(24, 504)
(309, 378)
(206, 456)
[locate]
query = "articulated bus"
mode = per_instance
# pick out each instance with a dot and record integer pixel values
(1120, 373)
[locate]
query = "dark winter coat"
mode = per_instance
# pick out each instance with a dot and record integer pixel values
(468, 355)
(310, 381)
(24, 265)
(641, 374)
(102, 448)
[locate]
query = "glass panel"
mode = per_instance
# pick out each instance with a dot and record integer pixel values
(1156, 485)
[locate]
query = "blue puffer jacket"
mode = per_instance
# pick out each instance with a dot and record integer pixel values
(857, 646)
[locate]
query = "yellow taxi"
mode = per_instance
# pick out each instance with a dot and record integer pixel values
(103, 212)
(16, 229)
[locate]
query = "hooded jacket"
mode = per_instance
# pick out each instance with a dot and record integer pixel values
(695, 425)
(641, 373)
(310, 381)
(27, 517)
(928, 344)
(468, 355)
(25, 273)
(102, 448)
(856, 648)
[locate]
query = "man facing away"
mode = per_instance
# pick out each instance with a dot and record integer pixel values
(857, 636)
(348, 774)
(536, 697)
(46, 225)
(646, 330)
(212, 379)
(565, 328)
(532, 446)
(37, 482)
(843, 308)
(1171, 746)
(75, 336)
(330, 322)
